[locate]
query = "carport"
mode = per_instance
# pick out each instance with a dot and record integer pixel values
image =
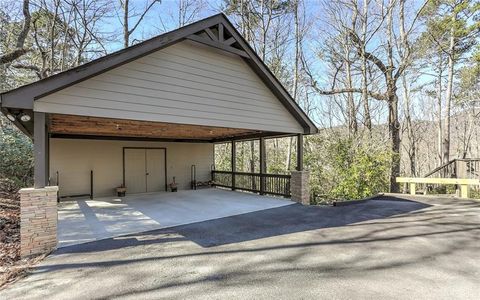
(84, 220)
(139, 119)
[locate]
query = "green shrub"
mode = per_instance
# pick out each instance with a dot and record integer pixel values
(361, 171)
(16, 156)
(475, 193)
(348, 169)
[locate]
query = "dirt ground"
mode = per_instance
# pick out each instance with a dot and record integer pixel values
(11, 266)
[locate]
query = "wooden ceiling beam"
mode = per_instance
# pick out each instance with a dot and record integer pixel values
(95, 126)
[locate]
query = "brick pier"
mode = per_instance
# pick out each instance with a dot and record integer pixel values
(38, 220)
(299, 187)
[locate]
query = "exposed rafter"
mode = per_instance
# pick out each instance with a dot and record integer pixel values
(218, 45)
(220, 37)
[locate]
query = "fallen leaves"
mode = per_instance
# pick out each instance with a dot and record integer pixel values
(11, 266)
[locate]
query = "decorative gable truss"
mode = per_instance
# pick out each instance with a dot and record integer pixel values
(219, 37)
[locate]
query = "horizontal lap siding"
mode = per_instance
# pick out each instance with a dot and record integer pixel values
(184, 83)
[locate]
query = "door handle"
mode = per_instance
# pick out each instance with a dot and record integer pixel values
(147, 174)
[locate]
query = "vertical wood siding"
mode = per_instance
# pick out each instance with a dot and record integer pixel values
(185, 83)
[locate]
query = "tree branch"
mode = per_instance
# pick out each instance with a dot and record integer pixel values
(353, 35)
(12, 55)
(374, 95)
(32, 68)
(26, 24)
(27, 67)
(19, 50)
(142, 16)
(333, 91)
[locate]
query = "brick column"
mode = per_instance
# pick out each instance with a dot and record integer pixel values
(299, 187)
(38, 220)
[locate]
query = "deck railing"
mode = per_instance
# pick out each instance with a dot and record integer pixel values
(468, 168)
(272, 184)
(459, 168)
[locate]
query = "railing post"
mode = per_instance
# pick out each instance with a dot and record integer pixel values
(263, 165)
(234, 163)
(412, 188)
(91, 184)
(464, 191)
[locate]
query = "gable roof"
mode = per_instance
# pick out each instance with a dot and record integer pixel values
(215, 31)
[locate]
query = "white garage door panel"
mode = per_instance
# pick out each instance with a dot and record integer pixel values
(155, 170)
(135, 179)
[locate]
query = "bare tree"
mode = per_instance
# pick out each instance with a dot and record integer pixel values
(450, 30)
(84, 17)
(364, 65)
(129, 13)
(391, 64)
(22, 36)
(188, 11)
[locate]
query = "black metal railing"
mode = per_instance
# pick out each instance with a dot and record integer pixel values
(272, 184)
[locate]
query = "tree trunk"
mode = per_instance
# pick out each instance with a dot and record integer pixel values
(53, 41)
(449, 93)
(289, 154)
(412, 143)
(392, 99)
(126, 33)
(351, 111)
(295, 77)
(19, 50)
(366, 107)
(439, 113)
(394, 132)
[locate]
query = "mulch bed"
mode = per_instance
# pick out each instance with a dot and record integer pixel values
(11, 266)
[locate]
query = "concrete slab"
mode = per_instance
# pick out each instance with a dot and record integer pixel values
(81, 221)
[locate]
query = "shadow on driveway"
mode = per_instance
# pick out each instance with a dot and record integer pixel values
(386, 248)
(258, 225)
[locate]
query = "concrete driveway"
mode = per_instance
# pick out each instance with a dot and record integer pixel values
(381, 249)
(82, 220)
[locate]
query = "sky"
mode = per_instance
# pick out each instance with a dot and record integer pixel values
(160, 19)
(163, 17)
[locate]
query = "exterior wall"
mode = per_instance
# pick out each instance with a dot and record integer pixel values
(186, 83)
(38, 220)
(74, 158)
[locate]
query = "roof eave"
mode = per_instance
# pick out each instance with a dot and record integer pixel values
(274, 84)
(24, 97)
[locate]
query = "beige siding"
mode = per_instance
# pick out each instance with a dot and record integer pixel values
(74, 159)
(185, 83)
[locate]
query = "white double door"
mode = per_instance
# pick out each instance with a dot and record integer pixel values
(144, 170)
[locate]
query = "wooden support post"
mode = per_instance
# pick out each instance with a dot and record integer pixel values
(464, 191)
(263, 165)
(234, 163)
(413, 188)
(40, 147)
(300, 152)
